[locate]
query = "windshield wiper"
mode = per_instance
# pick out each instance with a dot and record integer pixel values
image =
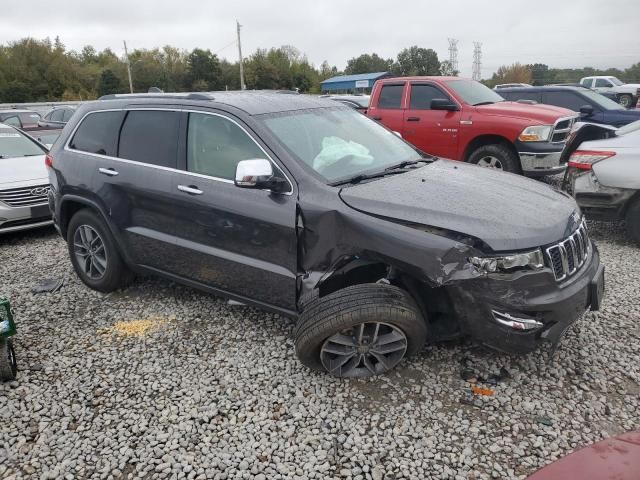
(483, 103)
(361, 177)
(406, 163)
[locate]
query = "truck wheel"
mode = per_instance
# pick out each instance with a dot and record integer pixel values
(359, 331)
(632, 219)
(8, 363)
(497, 156)
(94, 255)
(625, 100)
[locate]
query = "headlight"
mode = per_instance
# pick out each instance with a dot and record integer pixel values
(536, 133)
(518, 261)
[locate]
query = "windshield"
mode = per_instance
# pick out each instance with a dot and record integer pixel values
(338, 143)
(602, 101)
(474, 93)
(615, 81)
(12, 144)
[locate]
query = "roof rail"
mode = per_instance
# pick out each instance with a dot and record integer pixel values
(187, 96)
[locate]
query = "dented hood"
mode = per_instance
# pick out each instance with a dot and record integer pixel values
(508, 212)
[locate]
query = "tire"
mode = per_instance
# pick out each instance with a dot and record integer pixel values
(632, 220)
(625, 100)
(108, 271)
(8, 363)
(384, 317)
(505, 159)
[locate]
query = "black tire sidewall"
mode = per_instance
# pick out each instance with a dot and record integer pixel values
(626, 96)
(115, 271)
(403, 313)
(8, 370)
(632, 220)
(510, 161)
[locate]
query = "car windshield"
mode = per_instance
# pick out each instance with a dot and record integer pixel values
(604, 102)
(615, 81)
(338, 143)
(474, 93)
(13, 144)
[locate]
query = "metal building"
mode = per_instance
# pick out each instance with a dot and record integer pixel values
(360, 83)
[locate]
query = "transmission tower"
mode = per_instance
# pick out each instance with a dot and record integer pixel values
(453, 54)
(477, 61)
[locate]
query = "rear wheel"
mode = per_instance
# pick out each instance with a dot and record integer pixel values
(496, 156)
(8, 364)
(625, 100)
(94, 255)
(632, 219)
(359, 331)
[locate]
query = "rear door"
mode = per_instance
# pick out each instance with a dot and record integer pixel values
(387, 105)
(241, 241)
(432, 131)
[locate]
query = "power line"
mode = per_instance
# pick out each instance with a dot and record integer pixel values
(453, 54)
(477, 61)
(225, 47)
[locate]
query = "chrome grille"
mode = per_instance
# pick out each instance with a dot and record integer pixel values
(567, 257)
(25, 196)
(562, 129)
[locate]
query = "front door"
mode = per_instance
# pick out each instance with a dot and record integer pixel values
(241, 241)
(432, 131)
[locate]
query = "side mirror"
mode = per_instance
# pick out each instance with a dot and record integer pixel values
(586, 110)
(258, 173)
(443, 104)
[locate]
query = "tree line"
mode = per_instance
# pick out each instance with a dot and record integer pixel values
(34, 70)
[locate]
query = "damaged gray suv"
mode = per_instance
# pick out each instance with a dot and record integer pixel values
(307, 208)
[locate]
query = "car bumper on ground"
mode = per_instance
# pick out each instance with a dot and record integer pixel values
(516, 313)
(597, 201)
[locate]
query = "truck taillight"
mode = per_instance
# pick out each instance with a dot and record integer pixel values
(48, 160)
(584, 159)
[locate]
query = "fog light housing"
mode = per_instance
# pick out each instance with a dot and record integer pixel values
(518, 323)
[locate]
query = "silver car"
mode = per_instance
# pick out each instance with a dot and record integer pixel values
(604, 173)
(24, 183)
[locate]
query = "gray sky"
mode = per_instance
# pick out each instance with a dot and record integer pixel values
(562, 33)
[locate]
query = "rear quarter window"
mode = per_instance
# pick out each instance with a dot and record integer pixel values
(98, 133)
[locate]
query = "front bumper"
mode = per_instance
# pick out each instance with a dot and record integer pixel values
(596, 200)
(552, 307)
(541, 163)
(13, 219)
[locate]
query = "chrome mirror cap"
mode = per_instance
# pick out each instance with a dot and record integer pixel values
(253, 173)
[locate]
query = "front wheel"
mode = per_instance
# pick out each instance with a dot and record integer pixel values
(625, 100)
(496, 156)
(360, 331)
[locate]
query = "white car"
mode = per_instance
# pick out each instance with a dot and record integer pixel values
(604, 174)
(626, 93)
(24, 182)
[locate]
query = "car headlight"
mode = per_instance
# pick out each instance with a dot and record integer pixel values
(518, 261)
(536, 133)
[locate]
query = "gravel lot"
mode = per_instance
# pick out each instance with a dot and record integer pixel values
(214, 391)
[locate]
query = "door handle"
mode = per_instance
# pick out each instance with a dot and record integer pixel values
(413, 119)
(191, 189)
(108, 171)
(377, 118)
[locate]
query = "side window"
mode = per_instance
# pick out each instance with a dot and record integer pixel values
(56, 115)
(14, 121)
(603, 82)
(215, 145)
(150, 136)
(565, 99)
(390, 96)
(421, 96)
(29, 118)
(586, 82)
(66, 116)
(98, 133)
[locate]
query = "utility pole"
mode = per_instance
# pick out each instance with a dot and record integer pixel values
(126, 56)
(242, 85)
(453, 54)
(477, 61)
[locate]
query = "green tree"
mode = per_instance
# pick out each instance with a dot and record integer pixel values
(204, 69)
(417, 61)
(367, 63)
(109, 83)
(515, 73)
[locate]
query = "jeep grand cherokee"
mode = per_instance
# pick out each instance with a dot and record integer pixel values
(305, 207)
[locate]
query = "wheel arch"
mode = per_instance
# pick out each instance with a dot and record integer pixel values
(487, 139)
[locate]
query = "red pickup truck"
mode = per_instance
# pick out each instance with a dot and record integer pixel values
(462, 119)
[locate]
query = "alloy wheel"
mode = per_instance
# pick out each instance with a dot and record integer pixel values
(90, 252)
(491, 162)
(366, 349)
